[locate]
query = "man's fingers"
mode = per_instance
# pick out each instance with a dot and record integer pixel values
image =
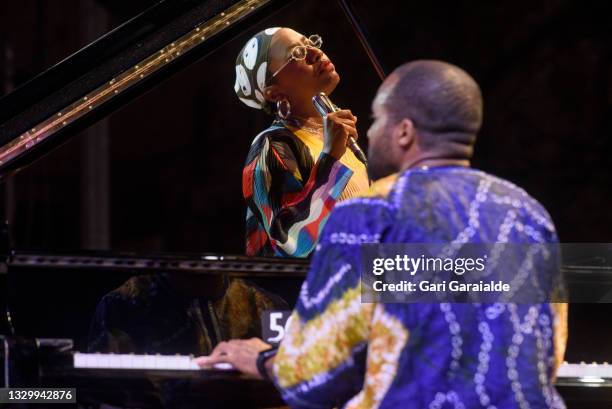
(221, 345)
(220, 348)
(221, 353)
(209, 361)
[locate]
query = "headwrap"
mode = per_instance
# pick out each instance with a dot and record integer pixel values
(252, 69)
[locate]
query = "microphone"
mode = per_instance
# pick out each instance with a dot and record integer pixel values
(324, 106)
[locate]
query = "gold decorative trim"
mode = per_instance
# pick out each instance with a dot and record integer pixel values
(126, 79)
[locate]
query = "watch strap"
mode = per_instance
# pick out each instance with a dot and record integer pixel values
(262, 358)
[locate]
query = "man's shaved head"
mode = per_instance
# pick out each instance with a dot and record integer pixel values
(438, 97)
(425, 110)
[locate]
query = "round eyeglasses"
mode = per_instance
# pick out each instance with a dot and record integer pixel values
(300, 52)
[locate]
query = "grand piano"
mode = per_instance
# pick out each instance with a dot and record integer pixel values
(49, 297)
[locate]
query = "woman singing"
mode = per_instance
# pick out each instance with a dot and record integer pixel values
(299, 167)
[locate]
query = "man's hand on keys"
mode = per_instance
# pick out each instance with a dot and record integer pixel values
(241, 353)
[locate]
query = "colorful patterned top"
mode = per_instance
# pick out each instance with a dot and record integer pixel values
(339, 352)
(290, 187)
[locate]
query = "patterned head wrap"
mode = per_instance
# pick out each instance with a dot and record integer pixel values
(252, 69)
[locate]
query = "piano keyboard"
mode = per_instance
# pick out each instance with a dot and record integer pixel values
(586, 373)
(132, 361)
(583, 372)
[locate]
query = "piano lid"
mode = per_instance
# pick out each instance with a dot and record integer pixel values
(115, 69)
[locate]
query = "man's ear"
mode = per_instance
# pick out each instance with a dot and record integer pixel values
(404, 133)
(273, 93)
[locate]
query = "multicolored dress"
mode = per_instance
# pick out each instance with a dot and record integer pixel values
(290, 187)
(340, 352)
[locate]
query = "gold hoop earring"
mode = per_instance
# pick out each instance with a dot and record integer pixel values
(283, 113)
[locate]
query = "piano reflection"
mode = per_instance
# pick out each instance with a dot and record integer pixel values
(184, 314)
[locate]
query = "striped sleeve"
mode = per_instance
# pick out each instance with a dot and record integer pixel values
(290, 207)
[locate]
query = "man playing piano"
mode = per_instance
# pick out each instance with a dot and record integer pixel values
(339, 352)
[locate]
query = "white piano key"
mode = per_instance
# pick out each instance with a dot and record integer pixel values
(148, 362)
(125, 361)
(78, 360)
(89, 361)
(101, 360)
(138, 361)
(114, 361)
(193, 365)
(134, 361)
(185, 362)
(160, 362)
(584, 370)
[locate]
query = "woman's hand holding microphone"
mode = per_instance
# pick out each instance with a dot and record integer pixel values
(337, 127)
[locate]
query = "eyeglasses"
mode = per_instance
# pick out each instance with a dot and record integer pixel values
(300, 52)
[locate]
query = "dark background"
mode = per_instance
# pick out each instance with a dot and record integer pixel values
(171, 160)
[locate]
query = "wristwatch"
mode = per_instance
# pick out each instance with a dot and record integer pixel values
(262, 358)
